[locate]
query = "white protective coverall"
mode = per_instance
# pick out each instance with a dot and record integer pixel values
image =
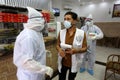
(29, 51)
(91, 29)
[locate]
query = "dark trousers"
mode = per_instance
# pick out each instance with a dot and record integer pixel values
(62, 75)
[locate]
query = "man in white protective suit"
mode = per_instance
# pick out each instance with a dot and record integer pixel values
(29, 50)
(93, 33)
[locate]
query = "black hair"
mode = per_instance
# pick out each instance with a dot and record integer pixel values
(73, 14)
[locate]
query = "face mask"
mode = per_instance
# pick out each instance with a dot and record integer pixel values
(36, 24)
(90, 24)
(67, 24)
(42, 25)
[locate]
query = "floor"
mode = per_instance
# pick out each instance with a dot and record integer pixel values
(99, 70)
(101, 56)
(103, 52)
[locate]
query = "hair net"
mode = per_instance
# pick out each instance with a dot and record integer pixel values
(90, 16)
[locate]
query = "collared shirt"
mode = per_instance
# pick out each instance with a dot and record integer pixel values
(68, 40)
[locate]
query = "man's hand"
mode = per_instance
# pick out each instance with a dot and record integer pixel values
(62, 53)
(69, 51)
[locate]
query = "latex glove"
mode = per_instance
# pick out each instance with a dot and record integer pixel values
(34, 66)
(49, 71)
(92, 36)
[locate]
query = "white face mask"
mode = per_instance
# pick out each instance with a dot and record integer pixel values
(90, 24)
(67, 24)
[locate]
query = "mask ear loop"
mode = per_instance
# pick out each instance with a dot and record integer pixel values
(36, 17)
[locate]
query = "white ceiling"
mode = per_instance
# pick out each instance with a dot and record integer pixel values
(86, 0)
(78, 2)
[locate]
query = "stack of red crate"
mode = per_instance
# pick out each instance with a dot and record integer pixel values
(15, 18)
(25, 18)
(1, 17)
(10, 17)
(20, 18)
(46, 16)
(5, 17)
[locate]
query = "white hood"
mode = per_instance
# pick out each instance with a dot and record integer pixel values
(89, 20)
(90, 16)
(35, 20)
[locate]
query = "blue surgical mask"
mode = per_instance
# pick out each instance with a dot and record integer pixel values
(67, 24)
